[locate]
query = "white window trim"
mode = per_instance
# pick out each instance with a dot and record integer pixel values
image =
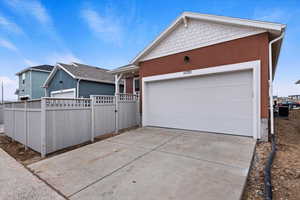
(133, 84)
(252, 65)
(62, 91)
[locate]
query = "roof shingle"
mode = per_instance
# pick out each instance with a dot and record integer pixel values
(86, 72)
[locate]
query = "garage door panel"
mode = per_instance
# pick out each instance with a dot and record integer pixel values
(198, 103)
(63, 94)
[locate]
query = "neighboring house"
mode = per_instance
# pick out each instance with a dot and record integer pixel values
(31, 81)
(208, 73)
(79, 80)
(294, 97)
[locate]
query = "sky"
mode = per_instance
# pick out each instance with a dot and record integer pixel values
(110, 33)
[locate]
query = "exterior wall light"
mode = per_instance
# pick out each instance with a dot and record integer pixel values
(186, 59)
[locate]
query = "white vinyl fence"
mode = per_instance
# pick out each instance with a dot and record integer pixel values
(51, 124)
(1, 114)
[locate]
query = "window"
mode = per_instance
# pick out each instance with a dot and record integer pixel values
(23, 78)
(136, 85)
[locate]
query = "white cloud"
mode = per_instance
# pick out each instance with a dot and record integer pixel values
(33, 8)
(272, 15)
(30, 62)
(107, 27)
(10, 85)
(62, 57)
(10, 26)
(8, 45)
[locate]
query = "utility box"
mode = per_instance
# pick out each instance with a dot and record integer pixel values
(283, 111)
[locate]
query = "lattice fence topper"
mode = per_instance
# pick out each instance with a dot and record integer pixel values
(103, 99)
(67, 103)
(128, 97)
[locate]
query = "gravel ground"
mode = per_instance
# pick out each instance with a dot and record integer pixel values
(286, 166)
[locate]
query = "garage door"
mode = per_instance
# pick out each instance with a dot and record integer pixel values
(220, 103)
(63, 94)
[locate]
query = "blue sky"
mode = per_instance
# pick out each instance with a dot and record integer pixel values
(109, 33)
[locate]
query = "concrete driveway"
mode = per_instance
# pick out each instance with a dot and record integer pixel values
(153, 163)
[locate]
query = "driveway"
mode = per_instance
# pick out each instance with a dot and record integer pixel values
(153, 163)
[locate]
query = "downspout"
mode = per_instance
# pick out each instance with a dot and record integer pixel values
(271, 81)
(267, 169)
(77, 89)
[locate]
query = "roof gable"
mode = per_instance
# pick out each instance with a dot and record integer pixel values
(82, 72)
(196, 34)
(195, 30)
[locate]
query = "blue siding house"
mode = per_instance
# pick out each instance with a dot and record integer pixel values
(77, 80)
(31, 81)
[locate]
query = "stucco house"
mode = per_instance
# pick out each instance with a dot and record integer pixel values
(31, 81)
(208, 73)
(77, 80)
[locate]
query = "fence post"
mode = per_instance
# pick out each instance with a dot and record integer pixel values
(93, 118)
(25, 121)
(43, 127)
(14, 121)
(117, 112)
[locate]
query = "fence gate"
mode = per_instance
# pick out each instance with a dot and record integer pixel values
(112, 113)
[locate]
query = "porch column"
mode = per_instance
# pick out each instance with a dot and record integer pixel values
(117, 85)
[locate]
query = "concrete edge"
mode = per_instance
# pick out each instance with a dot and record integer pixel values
(249, 169)
(35, 175)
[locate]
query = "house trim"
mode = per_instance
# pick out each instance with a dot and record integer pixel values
(31, 69)
(133, 84)
(252, 65)
(50, 77)
(65, 90)
(30, 74)
(67, 71)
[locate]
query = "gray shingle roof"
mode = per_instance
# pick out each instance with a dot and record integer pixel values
(125, 68)
(43, 67)
(86, 72)
(37, 68)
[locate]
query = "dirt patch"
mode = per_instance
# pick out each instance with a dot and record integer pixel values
(17, 150)
(286, 166)
(29, 156)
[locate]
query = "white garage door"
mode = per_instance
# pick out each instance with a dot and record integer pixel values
(220, 103)
(69, 93)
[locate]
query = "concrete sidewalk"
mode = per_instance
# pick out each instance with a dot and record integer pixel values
(153, 163)
(17, 183)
